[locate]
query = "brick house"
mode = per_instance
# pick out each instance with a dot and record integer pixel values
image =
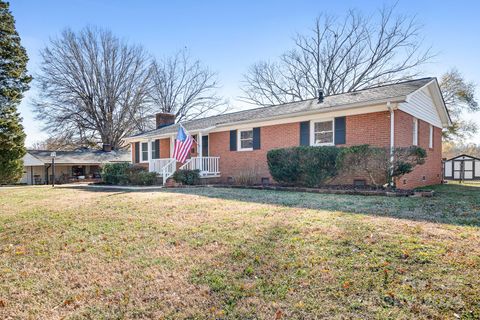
(236, 144)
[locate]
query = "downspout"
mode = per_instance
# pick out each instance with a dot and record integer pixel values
(392, 138)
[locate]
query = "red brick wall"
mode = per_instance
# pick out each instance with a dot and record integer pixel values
(432, 169)
(165, 148)
(132, 149)
(369, 128)
(235, 163)
(372, 128)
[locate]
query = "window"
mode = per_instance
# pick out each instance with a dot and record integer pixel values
(155, 152)
(430, 140)
(144, 152)
(415, 131)
(323, 132)
(245, 140)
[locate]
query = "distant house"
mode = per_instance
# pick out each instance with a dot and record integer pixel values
(70, 166)
(230, 145)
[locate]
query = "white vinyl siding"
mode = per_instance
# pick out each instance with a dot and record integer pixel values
(245, 140)
(415, 131)
(420, 105)
(322, 132)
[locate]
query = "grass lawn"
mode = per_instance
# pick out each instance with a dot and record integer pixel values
(238, 254)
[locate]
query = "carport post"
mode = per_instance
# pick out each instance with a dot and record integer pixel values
(53, 155)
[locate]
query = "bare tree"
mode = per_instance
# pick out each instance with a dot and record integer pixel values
(93, 87)
(459, 97)
(340, 55)
(185, 88)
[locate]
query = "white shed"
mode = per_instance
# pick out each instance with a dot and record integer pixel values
(462, 167)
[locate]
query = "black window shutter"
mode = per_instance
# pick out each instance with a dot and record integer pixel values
(233, 140)
(256, 138)
(305, 133)
(340, 130)
(157, 149)
(137, 152)
(205, 146)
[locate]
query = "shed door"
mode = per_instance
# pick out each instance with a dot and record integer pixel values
(448, 169)
(457, 169)
(468, 169)
(476, 168)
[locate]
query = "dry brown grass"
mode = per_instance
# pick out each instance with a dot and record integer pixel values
(237, 254)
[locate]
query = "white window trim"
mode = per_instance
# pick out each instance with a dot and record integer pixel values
(141, 152)
(415, 132)
(239, 144)
(312, 132)
(430, 137)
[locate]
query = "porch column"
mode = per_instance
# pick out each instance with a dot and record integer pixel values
(200, 150)
(172, 141)
(150, 163)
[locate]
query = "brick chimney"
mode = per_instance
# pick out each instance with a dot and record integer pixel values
(107, 147)
(164, 119)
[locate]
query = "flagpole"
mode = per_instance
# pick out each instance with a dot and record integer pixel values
(188, 133)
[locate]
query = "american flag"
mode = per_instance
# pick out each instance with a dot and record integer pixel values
(182, 145)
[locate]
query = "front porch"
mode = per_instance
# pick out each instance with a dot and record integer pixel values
(157, 154)
(166, 167)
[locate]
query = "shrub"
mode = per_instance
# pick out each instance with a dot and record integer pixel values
(115, 173)
(140, 176)
(303, 166)
(312, 166)
(378, 161)
(246, 178)
(187, 177)
(125, 173)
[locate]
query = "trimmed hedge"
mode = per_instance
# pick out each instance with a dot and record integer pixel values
(303, 166)
(115, 173)
(125, 173)
(310, 166)
(187, 177)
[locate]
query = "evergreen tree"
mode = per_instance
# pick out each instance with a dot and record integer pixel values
(13, 83)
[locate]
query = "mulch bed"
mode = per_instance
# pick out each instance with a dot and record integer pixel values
(350, 190)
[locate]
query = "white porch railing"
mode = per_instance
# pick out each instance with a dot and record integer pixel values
(208, 166)
(168, 170)
(157, 165)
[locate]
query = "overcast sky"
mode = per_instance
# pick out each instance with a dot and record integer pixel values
(229, 36)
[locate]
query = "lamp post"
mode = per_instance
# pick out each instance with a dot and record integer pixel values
(53, 155)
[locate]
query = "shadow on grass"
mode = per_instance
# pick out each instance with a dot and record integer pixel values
(452, 204)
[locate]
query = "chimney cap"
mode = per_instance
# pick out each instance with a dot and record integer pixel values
(320, 95)
(107, 147)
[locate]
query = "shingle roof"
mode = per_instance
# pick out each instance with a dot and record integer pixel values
(330, 102)
(81, 156)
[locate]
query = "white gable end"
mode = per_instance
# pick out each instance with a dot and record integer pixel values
(421, 105)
